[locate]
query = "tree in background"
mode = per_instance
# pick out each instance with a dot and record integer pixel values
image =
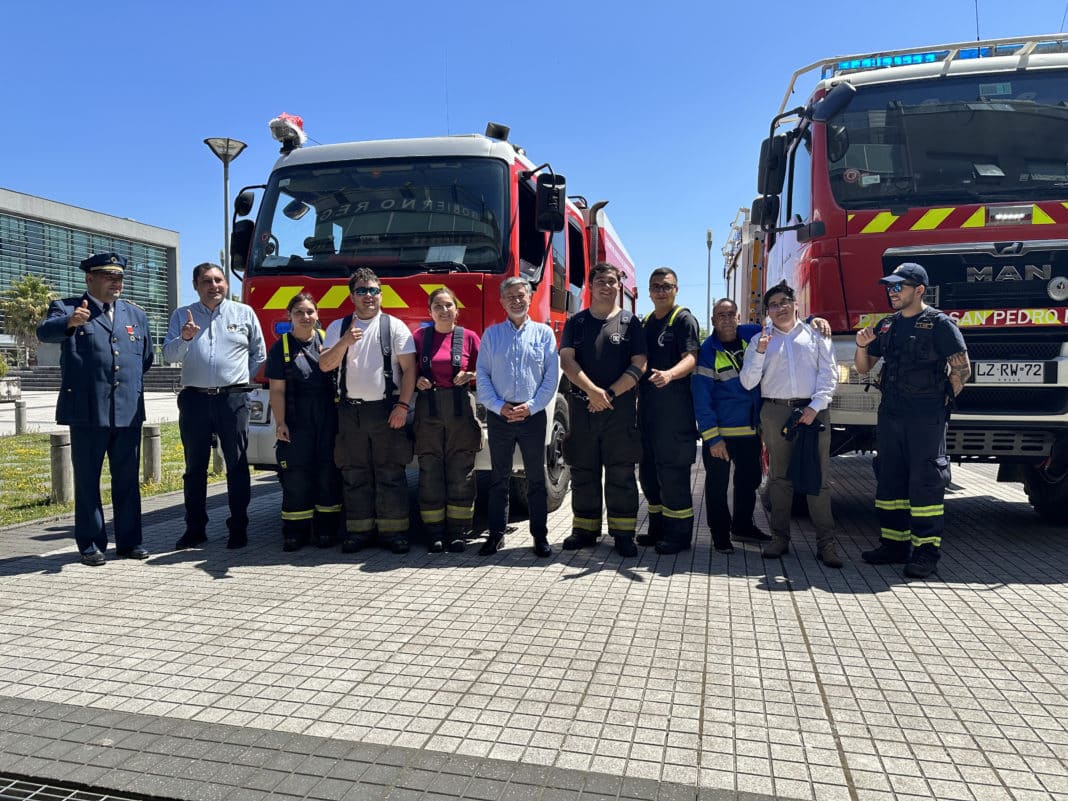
(23, 306)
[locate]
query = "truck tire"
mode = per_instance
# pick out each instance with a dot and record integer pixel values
(1050, 501)
(557, 473)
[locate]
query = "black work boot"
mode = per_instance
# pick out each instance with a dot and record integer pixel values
(581, 538)
(889, 552)
(779, 545)
(625, 545)
(667, 547)
(655, 532)
(924, 562)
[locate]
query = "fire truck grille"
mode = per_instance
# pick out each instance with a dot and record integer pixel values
(1031, 351)
(1021, 401)
(986, 443)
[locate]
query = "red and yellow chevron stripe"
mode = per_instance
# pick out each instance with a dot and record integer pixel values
(949, 217)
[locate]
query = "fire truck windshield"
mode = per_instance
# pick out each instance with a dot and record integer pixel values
(397, 216)
(998, 137)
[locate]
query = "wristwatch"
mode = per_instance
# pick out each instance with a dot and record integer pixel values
(611, 393)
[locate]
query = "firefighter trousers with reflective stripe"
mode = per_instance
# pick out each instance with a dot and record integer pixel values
(604, 443)
(744, 452)
(446, 444)
(780, 488)
(311, 484)
(912, 472)
(669, 449)
(372, 457)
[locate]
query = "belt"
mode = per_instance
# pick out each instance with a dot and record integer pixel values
(221, 390)
(789, 401)
(361, 402)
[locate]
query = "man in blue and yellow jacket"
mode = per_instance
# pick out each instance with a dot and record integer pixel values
(727, 418)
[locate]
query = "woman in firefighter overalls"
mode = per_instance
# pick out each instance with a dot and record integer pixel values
(303, 403)
(447, 435)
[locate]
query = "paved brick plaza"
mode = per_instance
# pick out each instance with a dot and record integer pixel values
(215, 674)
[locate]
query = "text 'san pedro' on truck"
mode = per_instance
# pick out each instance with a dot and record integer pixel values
(461, 211)
(956, 157)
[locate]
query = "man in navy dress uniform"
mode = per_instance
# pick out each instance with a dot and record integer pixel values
(104, 355)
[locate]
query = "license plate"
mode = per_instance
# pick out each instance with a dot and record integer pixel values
(1009, 372)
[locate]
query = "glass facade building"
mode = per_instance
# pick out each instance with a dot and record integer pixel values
(49, 239)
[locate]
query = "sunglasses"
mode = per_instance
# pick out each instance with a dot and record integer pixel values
(661, 287)
(373, 291)
(895, 288)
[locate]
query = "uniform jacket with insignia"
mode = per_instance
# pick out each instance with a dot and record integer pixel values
(102, 362)
(724, 408)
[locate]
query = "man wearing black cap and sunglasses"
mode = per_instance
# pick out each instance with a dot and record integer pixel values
(917, 343)
(105, 353)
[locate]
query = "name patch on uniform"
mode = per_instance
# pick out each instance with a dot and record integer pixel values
(924, 324)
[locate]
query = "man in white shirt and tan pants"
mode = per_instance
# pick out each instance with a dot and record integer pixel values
(795, 368)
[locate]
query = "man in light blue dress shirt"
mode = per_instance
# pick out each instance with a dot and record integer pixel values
(517, 372)
(220, 345)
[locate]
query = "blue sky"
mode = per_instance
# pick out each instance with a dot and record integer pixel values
(658, 107)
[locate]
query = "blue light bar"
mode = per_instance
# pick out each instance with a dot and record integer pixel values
(931, 57)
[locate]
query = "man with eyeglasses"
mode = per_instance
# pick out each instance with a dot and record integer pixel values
(105, 351)
(728, 417)
(374, 353)
(220, 345)
(602, 352)
(669, 431)
(516, 376)
(794, 367)
(925, 366)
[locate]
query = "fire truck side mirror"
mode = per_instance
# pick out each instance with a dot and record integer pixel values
(834, 102)
(811, 231)
(243, 203)
(765, 211)
(240, 242)
(551, 202)
(771, 174)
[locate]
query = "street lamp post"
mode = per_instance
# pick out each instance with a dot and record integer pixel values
(227, 150)
(708, 285)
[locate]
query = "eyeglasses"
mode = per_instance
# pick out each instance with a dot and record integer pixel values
(895, 288)
(662, 287)
(786, 304)
(373, 291)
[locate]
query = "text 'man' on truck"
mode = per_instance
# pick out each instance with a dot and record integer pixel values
(460, 211)
(956, 157)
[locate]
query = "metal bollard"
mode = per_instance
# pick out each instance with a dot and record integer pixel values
(62, 470)
(152, 454)
(218, 463)
(20, 417)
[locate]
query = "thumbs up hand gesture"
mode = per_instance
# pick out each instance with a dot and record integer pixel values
(190, 329)
(79, 316)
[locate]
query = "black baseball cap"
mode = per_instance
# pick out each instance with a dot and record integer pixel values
(909, 271)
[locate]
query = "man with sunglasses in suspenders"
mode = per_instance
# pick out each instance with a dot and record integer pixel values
(375, 355)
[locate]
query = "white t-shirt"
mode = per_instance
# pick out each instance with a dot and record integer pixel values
(363, 360)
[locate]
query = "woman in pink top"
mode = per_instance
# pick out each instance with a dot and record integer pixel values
(447, 435)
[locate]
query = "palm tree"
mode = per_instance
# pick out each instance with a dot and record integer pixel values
(23, 306)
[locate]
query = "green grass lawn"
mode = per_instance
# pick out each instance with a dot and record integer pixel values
(25, 476)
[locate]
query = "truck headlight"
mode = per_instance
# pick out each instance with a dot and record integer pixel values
(258, 413)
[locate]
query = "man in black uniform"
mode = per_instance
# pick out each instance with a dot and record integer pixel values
(669, 431)
(916, 343)
(602, 352)
(105, 353)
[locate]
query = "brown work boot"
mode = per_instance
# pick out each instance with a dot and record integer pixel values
(827, 553)
(778, 546)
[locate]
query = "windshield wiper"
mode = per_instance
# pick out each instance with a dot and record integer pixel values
(445, 267)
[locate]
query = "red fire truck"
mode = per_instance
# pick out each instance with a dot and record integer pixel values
(956, 157)
(461, 211)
